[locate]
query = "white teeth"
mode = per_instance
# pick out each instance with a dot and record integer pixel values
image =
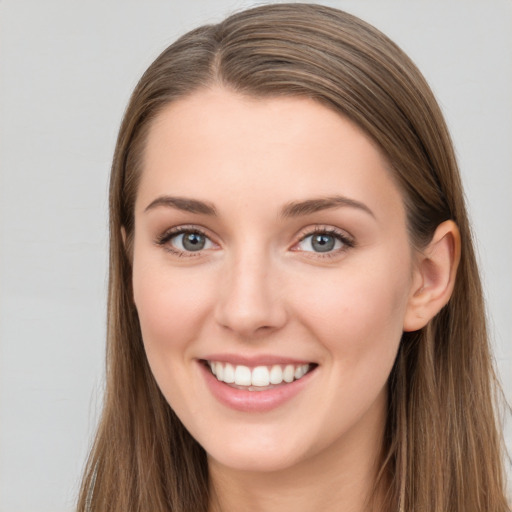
(242, 376)
(276, 374)
(219, 370)
(229, 374)
(289, 373)
(260, 376)
(300, 371)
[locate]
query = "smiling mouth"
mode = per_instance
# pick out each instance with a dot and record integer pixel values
(258, 378)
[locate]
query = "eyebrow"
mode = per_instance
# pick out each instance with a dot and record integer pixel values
(293, 209)
(299, 208)
(184, 204)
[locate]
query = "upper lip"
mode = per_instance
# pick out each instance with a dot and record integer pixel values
(252, 361)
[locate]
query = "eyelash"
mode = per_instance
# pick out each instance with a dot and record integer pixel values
(347, 241)
(164, 239)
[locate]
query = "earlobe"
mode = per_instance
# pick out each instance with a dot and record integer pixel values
(434, 276)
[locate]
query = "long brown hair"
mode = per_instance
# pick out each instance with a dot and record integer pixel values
(443, 447)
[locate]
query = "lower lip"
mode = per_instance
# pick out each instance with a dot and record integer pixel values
(253, 401)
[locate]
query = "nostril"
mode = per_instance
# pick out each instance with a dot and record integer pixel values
(249, 302)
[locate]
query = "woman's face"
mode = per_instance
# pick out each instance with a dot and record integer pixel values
(270, 240)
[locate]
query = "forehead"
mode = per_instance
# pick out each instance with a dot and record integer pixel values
(219, 145)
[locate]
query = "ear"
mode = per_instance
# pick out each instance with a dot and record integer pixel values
(434, 276)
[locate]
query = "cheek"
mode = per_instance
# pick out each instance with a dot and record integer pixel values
(170, 307)
(358, 312)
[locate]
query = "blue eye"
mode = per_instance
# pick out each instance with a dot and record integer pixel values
(190, 241)
(323, 242)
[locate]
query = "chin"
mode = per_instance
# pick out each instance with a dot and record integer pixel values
(266, 452)
(258, 461)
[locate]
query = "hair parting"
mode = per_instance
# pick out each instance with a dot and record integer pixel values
(442, 448)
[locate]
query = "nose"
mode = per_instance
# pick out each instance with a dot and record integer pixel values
(250, 301)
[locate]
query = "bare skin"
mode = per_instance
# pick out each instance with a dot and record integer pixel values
(324, 482)
(271, 230)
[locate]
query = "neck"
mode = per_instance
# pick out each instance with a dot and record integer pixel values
(342, 477)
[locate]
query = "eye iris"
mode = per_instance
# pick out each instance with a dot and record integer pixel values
(323, 243)
(193, 241)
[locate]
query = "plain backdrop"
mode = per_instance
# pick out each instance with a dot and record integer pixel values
(66, 71)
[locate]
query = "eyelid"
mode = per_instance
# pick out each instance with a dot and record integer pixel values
(164, 238)
(346, 239)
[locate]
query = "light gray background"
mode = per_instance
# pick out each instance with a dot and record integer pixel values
(67, 69)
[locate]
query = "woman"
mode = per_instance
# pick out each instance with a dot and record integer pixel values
(295, 313)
